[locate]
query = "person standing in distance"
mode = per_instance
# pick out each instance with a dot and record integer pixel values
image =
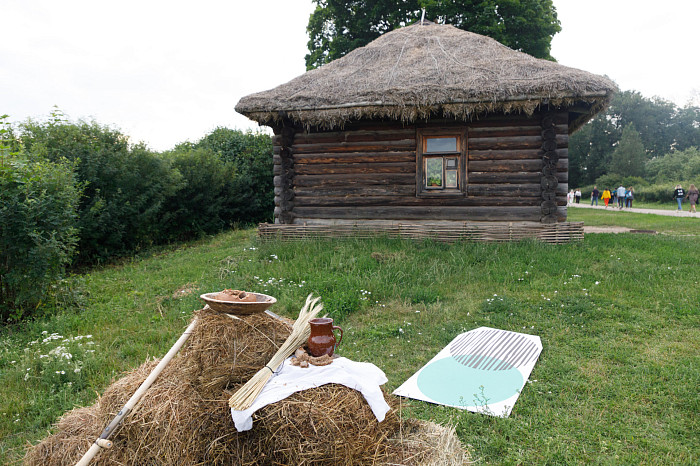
(629, 197)
(594, 195)
(678, 195)
(692, 196)
(621, 196)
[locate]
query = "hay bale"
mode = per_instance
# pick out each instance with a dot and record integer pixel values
(331, 424)
(76, 430)
(426, 443)
(184, 417)
(225, 351)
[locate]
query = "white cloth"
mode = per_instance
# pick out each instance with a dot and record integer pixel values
(361, 376)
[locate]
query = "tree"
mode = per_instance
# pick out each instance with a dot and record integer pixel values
(629, 155)
(662, 127)
(590, 151)
(337, 27)
(652, 118)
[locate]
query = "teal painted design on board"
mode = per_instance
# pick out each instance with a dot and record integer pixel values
(448, 382)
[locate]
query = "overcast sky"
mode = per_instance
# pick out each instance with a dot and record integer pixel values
(167, 72)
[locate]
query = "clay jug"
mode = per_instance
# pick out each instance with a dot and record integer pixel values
(322, 340)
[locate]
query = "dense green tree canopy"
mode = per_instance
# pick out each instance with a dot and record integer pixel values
(629, 155)
(663, 128)
(337, 27)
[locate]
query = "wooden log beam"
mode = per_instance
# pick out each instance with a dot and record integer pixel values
(506, 178)
(531, 130)
(510, 154)
(356, 157)
(483, 213)
(504, 131)
(355, 168)
(353, 180)
(506, 190)
(514, 142)
(398, 200)
(403, 190)
(506, 165)
(371, 146)
(355, 136)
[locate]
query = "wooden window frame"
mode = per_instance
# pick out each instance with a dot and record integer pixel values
(422, 135)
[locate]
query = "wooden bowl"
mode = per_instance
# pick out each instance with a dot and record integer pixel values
(261, 304)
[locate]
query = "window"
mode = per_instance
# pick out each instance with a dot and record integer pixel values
(441, 162)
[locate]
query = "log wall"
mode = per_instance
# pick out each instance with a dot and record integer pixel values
(517, 170)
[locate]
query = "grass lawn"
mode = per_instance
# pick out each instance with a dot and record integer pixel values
(664, 225)
(617, 381)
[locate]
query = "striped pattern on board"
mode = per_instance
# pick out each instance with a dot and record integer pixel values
(556, 233)
(494, 350)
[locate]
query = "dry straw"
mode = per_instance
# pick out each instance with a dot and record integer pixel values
(184, 418)
(423, 71)
(246, 395)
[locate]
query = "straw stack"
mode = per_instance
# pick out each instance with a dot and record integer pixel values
(246, 395)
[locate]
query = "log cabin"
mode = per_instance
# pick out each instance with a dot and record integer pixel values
(428, 129)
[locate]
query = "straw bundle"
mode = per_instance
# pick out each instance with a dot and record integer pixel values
(246, 395)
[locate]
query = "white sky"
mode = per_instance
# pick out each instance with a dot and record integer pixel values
(166, 72)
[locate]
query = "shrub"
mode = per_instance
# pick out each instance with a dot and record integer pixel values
(38, 234)
(125, 187)
(199, 204)
(250, 194)
(674, 166)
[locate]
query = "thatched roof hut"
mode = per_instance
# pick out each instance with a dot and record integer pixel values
(423, 71)
(500, 112)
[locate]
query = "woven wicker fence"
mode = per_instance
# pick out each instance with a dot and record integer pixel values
(556, 233)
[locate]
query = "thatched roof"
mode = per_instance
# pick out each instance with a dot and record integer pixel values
(428, 70)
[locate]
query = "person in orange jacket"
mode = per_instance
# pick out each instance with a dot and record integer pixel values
(606, 197)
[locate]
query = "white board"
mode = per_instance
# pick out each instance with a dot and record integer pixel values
(483, 370)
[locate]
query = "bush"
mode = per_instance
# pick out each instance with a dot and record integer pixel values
(674, 166)
(660, 192)
(250, 194)
(125, 187)
(38, 234)
(199, 204)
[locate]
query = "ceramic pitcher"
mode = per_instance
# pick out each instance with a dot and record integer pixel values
(322, 340)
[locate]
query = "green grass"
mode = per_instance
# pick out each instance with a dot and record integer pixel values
(616, 383)
(667, 225)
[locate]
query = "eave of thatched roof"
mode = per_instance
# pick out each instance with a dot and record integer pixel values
(422, 71)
